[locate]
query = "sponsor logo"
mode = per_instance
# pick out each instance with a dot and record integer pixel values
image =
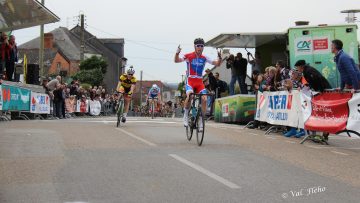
(304, 45)
(280, 102)
(225, 110)
(320, 44)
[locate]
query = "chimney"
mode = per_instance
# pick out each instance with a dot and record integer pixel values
(300, 23)
(48, 40)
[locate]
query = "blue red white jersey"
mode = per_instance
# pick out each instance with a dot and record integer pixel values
(153, 92)
(195, 64)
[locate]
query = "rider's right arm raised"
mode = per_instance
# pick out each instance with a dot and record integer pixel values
(177, 59)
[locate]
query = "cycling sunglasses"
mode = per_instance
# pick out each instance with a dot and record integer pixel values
(199, 45)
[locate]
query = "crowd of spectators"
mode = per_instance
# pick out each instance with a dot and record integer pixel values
(64, 97)
(305, 77)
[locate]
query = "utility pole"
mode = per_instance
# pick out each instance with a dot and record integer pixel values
(141, 92)
(41, 49)
(182, 78)
(82, 44)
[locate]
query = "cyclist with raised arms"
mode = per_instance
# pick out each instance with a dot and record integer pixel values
(195, 62)
(126, 87)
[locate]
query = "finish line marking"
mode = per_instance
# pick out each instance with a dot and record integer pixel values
(206, 172)
(136, 137)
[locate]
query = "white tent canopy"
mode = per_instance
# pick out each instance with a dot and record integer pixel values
(19, 14)
(244, 40)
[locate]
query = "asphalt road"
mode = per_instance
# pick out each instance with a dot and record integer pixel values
(89, 160)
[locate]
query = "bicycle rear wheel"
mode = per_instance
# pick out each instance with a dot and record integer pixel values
(200, 121)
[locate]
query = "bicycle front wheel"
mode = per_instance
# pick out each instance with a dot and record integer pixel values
(189, 128)
(119, 113)
(152, 110)
(200, 128)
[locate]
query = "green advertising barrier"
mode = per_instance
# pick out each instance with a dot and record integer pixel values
(15, 98)
(235, 109)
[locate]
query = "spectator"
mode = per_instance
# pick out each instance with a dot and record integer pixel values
(221, 85)
(3, 45)
(211, 79)
(58, 100)
(253, 80)
(259, 84)
(296, 82)
(349, 72)
(11, 56)
(53, 83)
(270, 73)
(314, 78)
(255, 62)
(282, 74)
(74, 87)
(103, 94)
(238, 66)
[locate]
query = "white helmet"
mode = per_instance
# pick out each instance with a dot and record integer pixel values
(130, 71)
(154, 86)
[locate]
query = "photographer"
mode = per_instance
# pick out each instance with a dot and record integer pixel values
(238, 67)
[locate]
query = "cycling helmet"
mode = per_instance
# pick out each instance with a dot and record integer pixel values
(154, 86)
(199, 41)
(130, 71)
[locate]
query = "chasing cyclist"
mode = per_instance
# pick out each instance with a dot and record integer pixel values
(126, 86)
(195, 65)
(154, 92)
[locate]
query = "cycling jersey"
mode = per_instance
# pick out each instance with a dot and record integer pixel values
(125, 82)
(153, 92)
(195, 68)
(195, 64)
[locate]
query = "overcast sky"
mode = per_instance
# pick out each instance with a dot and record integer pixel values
(153, 29)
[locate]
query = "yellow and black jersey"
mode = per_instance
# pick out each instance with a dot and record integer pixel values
(125, 82)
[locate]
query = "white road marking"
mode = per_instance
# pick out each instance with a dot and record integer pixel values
(292, 142)
(253, 133)
(270, 137)
(136, 137)
(336, 152)
(206, 172)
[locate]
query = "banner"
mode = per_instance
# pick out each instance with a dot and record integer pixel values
(353, 123)
(40, 103)
(305, 110)
(95, 107)
(330, 112)
(82, 106)
(237, 108)
(279, 108)
(15, 98)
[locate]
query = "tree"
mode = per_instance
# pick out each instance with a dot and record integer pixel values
(93, 77)
(94, 62)
(92, 71)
